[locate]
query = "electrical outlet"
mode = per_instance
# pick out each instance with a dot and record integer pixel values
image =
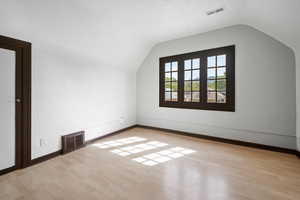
(122, 120)
(42, 142)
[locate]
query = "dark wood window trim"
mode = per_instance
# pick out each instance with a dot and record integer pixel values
(202, 104)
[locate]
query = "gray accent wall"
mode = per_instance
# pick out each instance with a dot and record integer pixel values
(298, 94)
(265, 89)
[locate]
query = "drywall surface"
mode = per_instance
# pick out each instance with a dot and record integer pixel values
(298, 94)
(265, 89)
(70, 94)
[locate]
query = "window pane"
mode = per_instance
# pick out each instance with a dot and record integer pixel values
(187, 96)
(196, 63)
(211, 61)
(196, 97)
(174, 66)
(196, 86)
(174, 86)
(221, 72)
(211, 85)
(187, 85)
(196, 74)
(167, 96)
(174, 96)
(221, 85)
(167, 86)
(167, 76)
(187, 75)
(167, 67)
(174, 76)
(187, 64)
(221, 60)
(221, 97)
(211, 73)
(211, 97)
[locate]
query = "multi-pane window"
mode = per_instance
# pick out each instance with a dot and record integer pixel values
(216, 79)
(171, 81)
(199, 80)
(192, 80)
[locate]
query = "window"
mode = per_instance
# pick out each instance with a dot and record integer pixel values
(171, 81)
(199, 80)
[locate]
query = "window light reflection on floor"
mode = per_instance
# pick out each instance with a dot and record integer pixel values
(163, 156)
(128, 150)
(119, 142)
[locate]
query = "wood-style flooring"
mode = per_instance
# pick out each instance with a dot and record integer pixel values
(214, 171)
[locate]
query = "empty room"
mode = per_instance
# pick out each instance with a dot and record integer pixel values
(150, 100)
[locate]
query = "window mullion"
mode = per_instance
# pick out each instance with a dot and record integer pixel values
(180, 81)
(203, 79)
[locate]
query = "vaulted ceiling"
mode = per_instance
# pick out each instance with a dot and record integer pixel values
(119, 33)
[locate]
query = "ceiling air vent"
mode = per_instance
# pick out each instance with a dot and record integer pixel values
(211, 12)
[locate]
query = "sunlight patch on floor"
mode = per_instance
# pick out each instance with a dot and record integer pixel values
(119, 142)
(163, 156)
(128, 150)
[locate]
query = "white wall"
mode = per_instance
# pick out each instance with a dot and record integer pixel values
(298, 94)
(70, 94)
(265, 89)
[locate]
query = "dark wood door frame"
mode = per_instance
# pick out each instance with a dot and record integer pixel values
(23, 100)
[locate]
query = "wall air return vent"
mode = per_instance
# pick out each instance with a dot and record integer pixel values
(72, 142)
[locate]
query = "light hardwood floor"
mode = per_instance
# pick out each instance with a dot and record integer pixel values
(215, 171)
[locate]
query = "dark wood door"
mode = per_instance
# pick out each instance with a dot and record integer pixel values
(15, 102)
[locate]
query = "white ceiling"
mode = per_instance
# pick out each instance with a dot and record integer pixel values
(120, 33)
